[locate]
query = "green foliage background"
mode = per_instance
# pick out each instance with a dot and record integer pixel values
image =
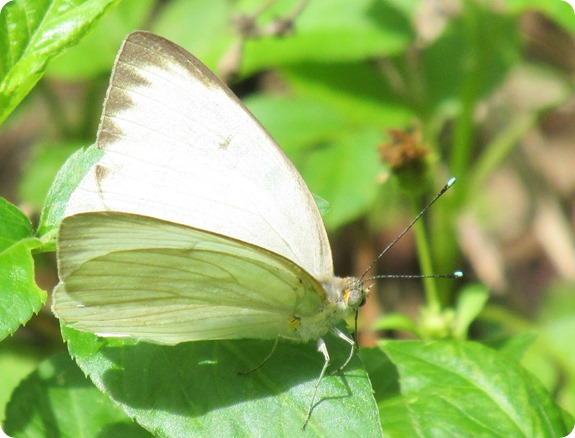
(484, 84)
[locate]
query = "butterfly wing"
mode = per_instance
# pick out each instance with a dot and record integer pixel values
(134, 276)
(179, 146)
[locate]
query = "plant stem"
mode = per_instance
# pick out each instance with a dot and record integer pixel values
(425, 260)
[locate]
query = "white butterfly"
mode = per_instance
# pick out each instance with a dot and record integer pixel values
(194, 225)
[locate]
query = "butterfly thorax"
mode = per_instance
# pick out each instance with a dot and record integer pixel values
(343, 297)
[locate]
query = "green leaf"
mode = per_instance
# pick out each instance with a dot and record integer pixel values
(470, 303)
(395, 321)
(358, 92)
(210, 20)
(557, 330)
(468, 57)
(96, 52)
(32, 32)
(322, 204)
(513, 346)
(14, 225)
(450, 388)
(356, 30)
(58, 400)
(20, 298)
(345, 173)
(16, 362)
(67, 179)
(39, 172)
(395, 416)
(192, 388)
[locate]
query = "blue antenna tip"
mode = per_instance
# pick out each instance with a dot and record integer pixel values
(450, 182)
(458, 274)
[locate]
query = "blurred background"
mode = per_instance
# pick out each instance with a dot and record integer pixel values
(378, 103)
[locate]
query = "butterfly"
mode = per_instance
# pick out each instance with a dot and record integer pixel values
(193, 225)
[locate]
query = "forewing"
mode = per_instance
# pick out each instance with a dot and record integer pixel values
(133, 276)
(181, 147)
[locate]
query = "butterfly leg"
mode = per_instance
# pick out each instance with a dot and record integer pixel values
(350, 341)
(322, 348)
(245, 373)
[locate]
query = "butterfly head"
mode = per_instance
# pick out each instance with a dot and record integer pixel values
(354, 293)
(344, 296)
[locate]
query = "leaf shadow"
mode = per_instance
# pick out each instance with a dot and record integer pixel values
(198, 377)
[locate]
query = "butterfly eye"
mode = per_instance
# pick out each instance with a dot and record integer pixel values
(355, 297)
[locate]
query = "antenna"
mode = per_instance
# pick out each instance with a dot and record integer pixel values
(456, 274)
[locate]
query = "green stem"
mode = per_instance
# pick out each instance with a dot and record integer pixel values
(464, 131)
(425, 259)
